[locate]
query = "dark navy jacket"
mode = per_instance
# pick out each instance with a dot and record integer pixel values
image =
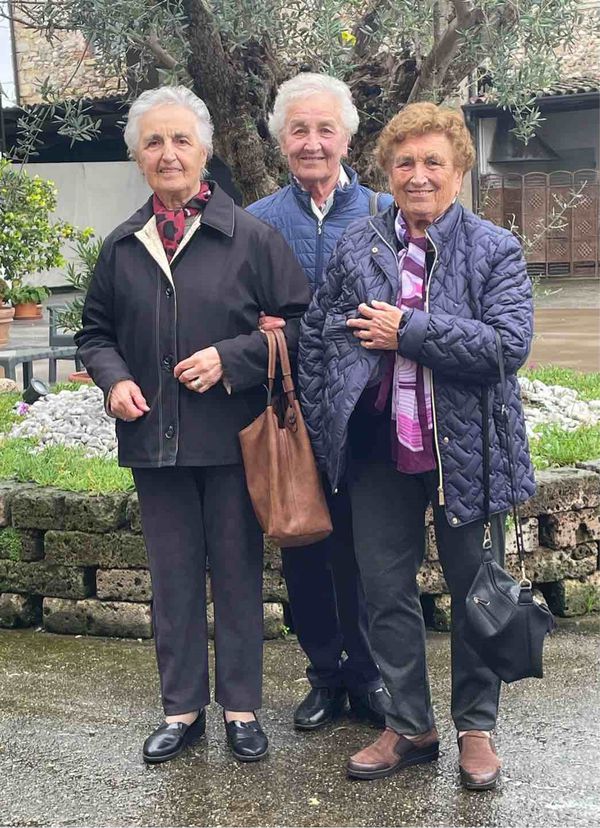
(478, 283)
(288, 210)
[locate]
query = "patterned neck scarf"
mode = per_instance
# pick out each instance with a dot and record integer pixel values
(411, 386)
(171, 223)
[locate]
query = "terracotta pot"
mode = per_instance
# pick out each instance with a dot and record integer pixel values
(28, 310)
(80, 376)
(6, 316)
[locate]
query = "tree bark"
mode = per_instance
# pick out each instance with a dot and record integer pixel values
(238, 90)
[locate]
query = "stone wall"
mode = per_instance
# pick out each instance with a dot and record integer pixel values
(68, 62)
(76, 563)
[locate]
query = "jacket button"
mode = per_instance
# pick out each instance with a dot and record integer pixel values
(454, 521)
(167, 362)
(446, 439)
(169, 432)
(374, 250)
(169, 292)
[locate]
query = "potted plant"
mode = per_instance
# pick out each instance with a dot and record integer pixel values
(27, 299)
(6, 312)
(31, 239)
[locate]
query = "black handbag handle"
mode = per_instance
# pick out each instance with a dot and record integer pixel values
(508, 433)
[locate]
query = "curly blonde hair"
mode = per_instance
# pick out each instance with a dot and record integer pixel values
(418, 119)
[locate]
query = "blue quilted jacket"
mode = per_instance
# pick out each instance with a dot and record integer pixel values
(477, 283)
(288, 210)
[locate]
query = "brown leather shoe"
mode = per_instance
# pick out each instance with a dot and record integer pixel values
(392, 752)
(479, 765)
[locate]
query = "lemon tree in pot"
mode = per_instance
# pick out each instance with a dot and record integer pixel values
(31, 240)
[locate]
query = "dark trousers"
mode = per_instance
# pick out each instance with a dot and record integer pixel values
(189, 515)
(328, 606)
(389, 538)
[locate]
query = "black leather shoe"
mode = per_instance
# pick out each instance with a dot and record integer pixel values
(169, 740)
(247, 740)
(370, 707)
(322, 705)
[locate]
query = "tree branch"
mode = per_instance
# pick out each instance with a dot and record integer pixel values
(152, 45)
(437, 63)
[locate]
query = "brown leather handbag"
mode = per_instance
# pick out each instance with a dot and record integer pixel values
(281, 473)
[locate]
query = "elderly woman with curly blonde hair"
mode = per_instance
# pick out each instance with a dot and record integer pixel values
(397, 352)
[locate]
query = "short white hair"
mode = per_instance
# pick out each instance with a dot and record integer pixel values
(303, 86)
(172, 96)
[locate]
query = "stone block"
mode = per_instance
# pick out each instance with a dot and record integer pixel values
(21, 544)
(43, 578)
(559, 490)
(94, 513)
(274, 588)
(547, 565)
(112, 550)
(570, 597)
(530, 530)
(93, 617)
(132, 513)
(589, 465)
(38, 508)
(20, 610)
(442, 616)
(272, 555)
(123, 585)
(430, 579)
(431, 552)
(7, 491)
(273, 622)
(562, 530)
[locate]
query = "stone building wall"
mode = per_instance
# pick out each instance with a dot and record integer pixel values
(76, 563)
(37, 59)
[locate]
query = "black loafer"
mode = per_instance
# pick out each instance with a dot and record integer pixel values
(247, 740)
(321, 705)
(370, 707)
(169, 740)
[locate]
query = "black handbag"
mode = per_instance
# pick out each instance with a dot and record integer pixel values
(505, 624)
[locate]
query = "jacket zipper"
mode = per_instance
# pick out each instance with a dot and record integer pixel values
(440, 488)
(319, 257)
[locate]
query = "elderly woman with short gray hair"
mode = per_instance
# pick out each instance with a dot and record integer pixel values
(170, 334)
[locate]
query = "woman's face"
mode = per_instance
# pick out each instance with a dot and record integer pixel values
(170, 154)
(423, 177)
(314, 139)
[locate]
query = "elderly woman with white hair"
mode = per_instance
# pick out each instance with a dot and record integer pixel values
(313, 120)
(170, 334)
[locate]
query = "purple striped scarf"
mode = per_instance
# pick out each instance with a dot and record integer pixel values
(411, 386)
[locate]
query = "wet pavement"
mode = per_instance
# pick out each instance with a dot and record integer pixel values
(75, 711)
(567, 324)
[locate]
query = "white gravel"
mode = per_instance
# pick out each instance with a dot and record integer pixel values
(78, 418)
(71, 418)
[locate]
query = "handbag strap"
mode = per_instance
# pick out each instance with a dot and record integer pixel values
(286, 368)
(487, 536)
(272, 345)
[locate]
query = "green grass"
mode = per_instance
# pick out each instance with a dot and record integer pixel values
(63, 467)
(11, 544)
(556, 447)
(587, 385)
(7, 415)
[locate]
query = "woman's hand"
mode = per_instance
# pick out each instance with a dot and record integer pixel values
(126, 401)
(270, 323)
(201, 370)
(378, 327)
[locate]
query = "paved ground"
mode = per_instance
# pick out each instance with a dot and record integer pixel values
(567, 328)
(74, 713)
